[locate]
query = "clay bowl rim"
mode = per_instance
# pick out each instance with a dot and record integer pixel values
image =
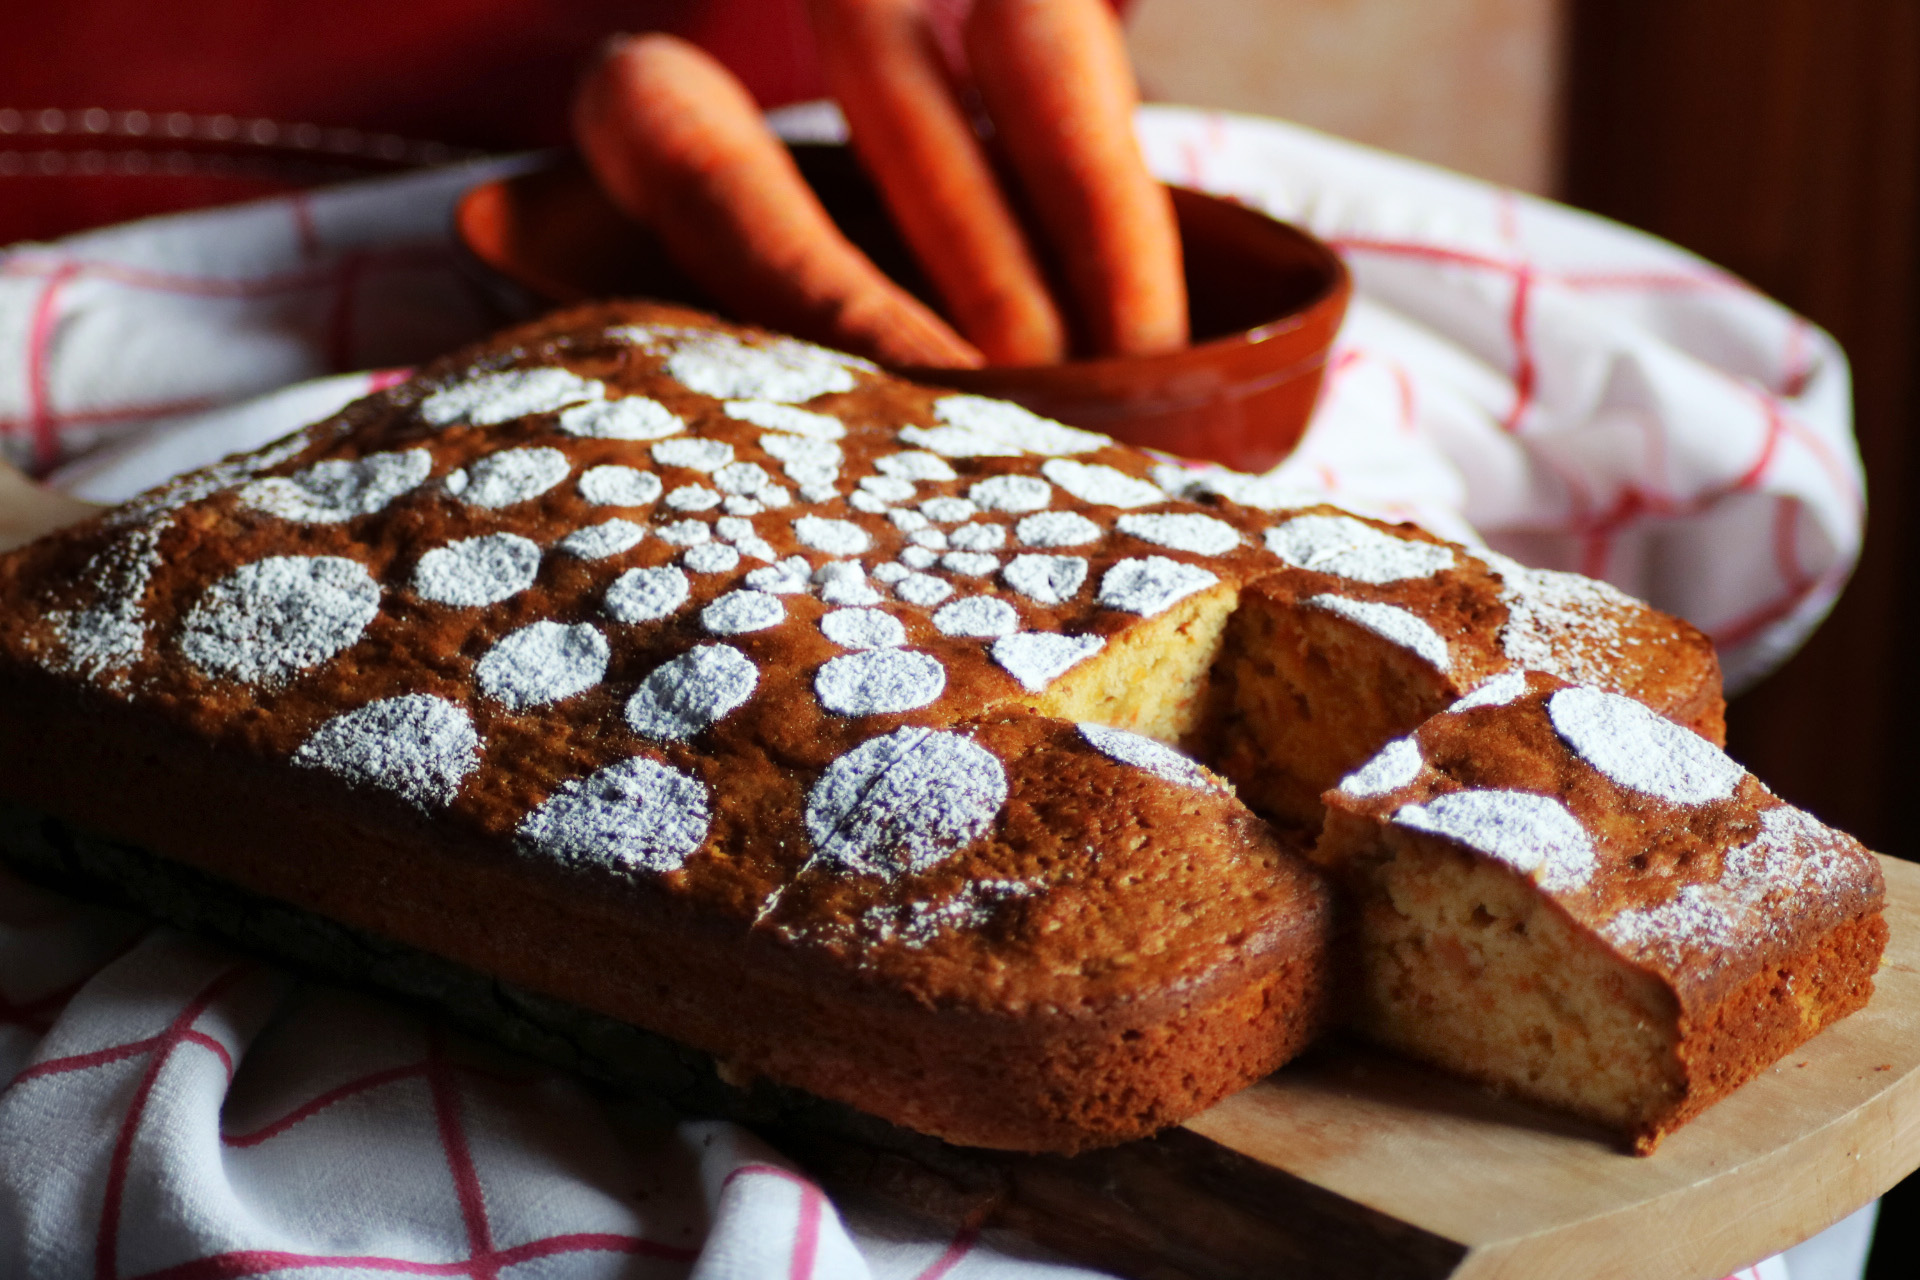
(1332, 293)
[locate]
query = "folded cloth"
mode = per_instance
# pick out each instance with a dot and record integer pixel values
(1583, 396)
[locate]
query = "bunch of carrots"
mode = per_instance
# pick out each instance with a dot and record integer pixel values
(680, 145)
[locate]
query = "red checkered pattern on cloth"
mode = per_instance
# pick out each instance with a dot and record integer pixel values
(1584, 396)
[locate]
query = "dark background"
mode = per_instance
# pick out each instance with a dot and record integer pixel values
(1781, 139)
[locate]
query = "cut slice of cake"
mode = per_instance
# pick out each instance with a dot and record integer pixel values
(1563, 895)
(1371, 628)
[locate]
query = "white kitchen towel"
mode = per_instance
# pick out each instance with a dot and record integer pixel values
(1581, 395)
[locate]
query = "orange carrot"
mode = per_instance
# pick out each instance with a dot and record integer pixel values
(882, 63)
(680, 145)
(1055, 78)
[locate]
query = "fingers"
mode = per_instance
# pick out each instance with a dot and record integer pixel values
(883, 65)
(1055, 78)
(680, 145)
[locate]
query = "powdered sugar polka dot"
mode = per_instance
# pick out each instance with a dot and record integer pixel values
(646, 595)
(1157, 758)
(1640, 750)
(543, 662)
(686, 695)
(1037, 658)
(1533, 834)
(274, 618)
(738, 612)
(879, 682)
(902, 803)
(477, 571)
(417, 746)
(638, 815)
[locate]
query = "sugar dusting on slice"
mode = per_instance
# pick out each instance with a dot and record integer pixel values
(337, 489)
(489, 399)
(887, 488)
(1157, 758)
(646, 595)
(276, 617)
(1391, 768)
(902, 803)
(1640, 750)
(878, 682)
(543, 662)
(863, 629)
(1046, 579)
(638, 814)
(1389, 622)
(1533, 834)
(686, 695)
(416, 746)
(1100, 485)
(1151, 585)
(984, 617)
(1793, 859)
(1497, 692)
(1037, 658)
(617, 486)
(477, 571)
(1351, 549)
(1198, 534)
(979, 427)
(684, 533)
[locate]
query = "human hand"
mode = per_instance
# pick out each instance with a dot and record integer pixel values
(678, 144)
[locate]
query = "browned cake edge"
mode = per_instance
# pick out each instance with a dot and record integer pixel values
(1051, 1079)
(1786, 1003)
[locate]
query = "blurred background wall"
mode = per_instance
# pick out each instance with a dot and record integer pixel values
(1470, 84)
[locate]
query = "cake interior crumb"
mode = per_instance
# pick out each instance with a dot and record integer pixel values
(1463, 964)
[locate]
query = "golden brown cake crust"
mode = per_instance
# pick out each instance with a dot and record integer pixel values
(1760, 924)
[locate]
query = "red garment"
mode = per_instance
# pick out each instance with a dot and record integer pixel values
(392, 84)
(117, 109)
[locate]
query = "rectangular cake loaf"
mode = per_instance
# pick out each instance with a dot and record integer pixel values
(823, 722)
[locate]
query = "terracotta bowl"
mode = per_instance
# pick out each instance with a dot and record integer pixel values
(1266, 300)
